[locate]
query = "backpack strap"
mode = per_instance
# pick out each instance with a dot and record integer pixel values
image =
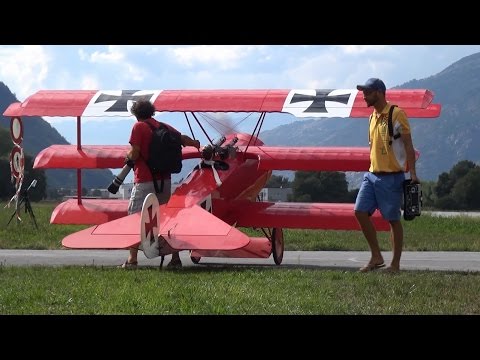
(369, 122)
(390, 126)
(155, 184)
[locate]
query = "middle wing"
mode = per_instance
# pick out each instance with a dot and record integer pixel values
(311, 158)
(90, 156)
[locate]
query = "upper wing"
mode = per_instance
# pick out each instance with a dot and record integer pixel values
(299, 102)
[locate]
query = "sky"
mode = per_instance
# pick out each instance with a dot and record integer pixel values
(26, 69)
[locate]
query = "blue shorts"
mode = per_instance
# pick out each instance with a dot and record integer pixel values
(383, 192)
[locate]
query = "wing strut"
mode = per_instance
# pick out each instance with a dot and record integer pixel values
(201, 127)
(79, 171)
(259, 122)
(190, 126)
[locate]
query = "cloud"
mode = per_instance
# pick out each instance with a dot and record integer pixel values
(24, 68)
(113, 54)
(116, 58)
(89, 82)
(224, 57)
(362, 49)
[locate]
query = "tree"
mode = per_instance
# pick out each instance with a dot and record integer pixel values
(321, 186)
(7, 189)
(444, 185)
(458, 190)
(428, 195)
(466, 190)
(446, 181)
(53, 194)
(6, 143)
(277, 181)
(39, 192)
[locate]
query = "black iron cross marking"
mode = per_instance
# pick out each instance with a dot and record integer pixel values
(120, 104)
(151, 225)
(318, 104)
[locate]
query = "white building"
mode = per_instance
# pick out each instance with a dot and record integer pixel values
(124, 191)
(275, 194)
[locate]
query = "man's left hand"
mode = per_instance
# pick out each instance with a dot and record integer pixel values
(415, 179)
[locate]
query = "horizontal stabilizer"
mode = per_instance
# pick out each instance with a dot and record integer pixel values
(183, 229)
(194, 228)
(117, 234)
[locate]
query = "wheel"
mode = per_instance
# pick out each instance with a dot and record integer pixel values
(277, 245)
(195, 259)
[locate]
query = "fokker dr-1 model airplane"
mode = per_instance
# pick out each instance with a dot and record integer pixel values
(219, 196)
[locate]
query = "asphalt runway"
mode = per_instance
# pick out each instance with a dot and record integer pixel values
(341, 260)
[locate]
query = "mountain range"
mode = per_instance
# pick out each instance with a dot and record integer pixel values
(38, 134)
(442, 142)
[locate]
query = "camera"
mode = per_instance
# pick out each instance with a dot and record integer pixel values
(412, 200)
(118, 180)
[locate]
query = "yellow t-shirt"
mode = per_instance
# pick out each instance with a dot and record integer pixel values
(385, 157)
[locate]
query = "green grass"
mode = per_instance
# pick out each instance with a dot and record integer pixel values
(425, 233)
(23, 234)
(234, 290)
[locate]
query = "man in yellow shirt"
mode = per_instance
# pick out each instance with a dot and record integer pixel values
(382, 185)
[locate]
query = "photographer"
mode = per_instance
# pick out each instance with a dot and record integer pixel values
(137, 157)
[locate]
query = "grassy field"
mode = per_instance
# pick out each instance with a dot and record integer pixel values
(234, 290)
(242, 290)
(425, 233)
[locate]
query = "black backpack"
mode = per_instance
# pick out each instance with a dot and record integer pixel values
(165, 152)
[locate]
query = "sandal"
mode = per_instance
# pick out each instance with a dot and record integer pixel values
(391, 270)
(128, 265)
(371, 267)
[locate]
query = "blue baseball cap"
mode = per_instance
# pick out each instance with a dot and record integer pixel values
(373, 84)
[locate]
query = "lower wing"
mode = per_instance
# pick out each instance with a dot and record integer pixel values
(326, 216)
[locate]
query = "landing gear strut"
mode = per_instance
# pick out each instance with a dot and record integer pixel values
(277, 245)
